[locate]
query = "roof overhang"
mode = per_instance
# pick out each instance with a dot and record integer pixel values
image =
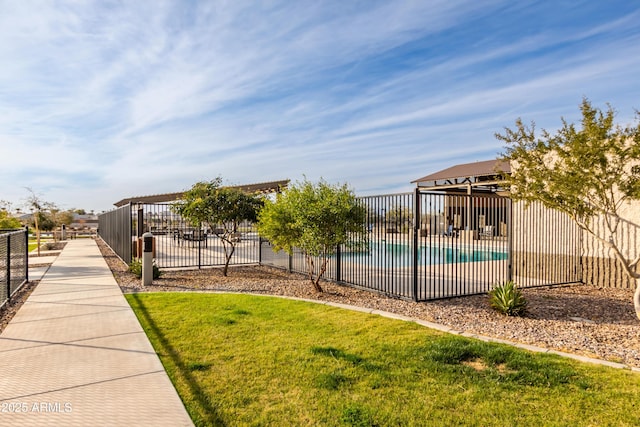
(480, 176)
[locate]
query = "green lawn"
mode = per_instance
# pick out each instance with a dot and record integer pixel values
(248, 360)
(33, 243)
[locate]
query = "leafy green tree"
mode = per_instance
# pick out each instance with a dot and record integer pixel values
(589, 173)
(7, 222)
(209, 204)
(46, 220)
(315, 218)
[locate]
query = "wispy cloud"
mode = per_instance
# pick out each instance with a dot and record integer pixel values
(104, 100)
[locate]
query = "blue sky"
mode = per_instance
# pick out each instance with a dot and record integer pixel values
(102, 100)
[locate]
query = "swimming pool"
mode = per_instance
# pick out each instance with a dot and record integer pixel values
(386, 254)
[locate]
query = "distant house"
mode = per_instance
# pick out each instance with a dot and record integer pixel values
(84, 222)
(24, 218)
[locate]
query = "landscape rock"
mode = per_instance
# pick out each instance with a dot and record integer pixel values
(554, 319)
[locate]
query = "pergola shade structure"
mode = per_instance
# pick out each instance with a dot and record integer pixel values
(259, 188)
(481, 176)
(467, 214)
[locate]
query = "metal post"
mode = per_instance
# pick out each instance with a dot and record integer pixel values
(199, 237)
(26, 252)
(128, 233)
(140, 222)
(338, 264)
(8, 276)
(509, 239)
(147, 259)
(469, 207)
(416, 241)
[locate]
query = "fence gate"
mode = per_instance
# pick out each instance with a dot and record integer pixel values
(463, 244)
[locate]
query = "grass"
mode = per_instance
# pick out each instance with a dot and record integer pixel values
(33, 243)
(249, 360)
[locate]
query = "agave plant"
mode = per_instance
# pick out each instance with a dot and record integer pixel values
(507, 299)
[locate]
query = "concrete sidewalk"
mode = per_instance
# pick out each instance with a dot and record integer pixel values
(75, 354)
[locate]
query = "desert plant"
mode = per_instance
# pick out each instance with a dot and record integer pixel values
(316, 218)
(135, 267)
(208, 203)
(508, 299)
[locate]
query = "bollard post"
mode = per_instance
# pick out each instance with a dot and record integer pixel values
(147, 259)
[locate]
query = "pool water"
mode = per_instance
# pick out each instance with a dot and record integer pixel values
(382, 253)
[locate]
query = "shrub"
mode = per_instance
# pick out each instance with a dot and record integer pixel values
(508, 299)
(135, 267)
(316, 218)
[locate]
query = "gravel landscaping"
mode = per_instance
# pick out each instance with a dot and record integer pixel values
(584, 320)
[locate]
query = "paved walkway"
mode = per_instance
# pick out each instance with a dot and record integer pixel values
(75, 354)
(38, 265)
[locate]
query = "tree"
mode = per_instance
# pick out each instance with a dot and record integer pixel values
(316, 218)
(207, 203)
(588, 173)
(39, 208)
(46, 220)
(7, 222)
(398, 219)
(65, 217)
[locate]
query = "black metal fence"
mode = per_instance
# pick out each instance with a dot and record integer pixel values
(418, 246)
(179, 244)
(116, 229)
(176, 242)
(14, 262)
(546, 247)
(431, 245)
